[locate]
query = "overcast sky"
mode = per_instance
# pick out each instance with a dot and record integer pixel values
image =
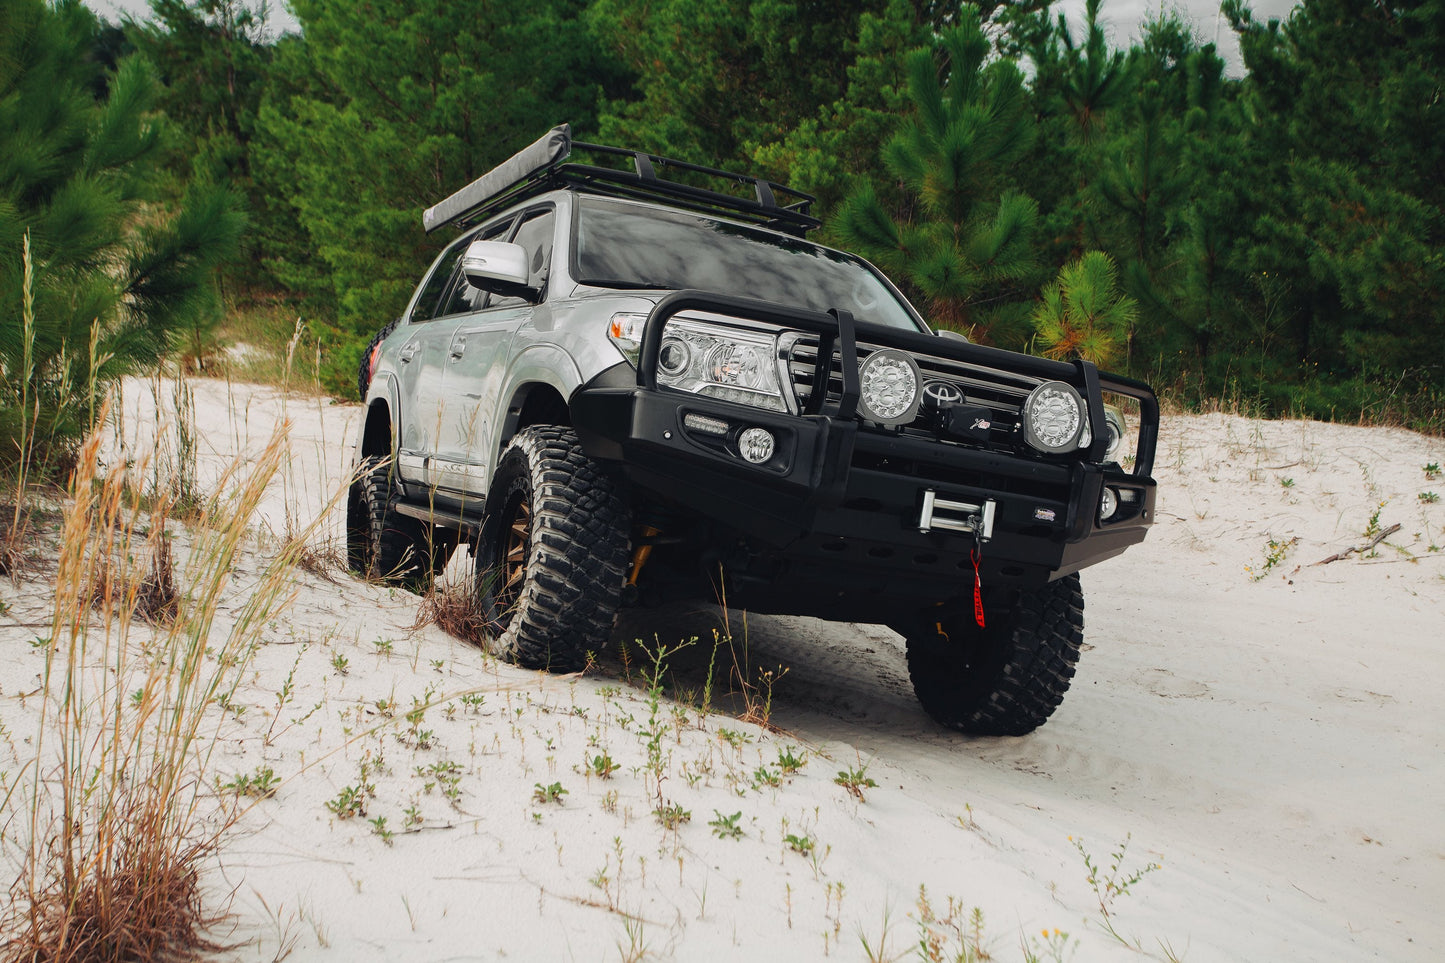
(1120, 17)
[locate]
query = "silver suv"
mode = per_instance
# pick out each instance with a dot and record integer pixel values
(635, 381)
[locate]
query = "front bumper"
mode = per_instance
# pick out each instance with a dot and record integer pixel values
(848, 503)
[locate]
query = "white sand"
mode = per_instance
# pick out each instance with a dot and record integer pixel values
(1274, 744)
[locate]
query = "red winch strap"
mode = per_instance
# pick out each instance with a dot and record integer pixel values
(977, 557)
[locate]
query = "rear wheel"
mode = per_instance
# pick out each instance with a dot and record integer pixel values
(1005, 679)
(552, 554)
(381, 542)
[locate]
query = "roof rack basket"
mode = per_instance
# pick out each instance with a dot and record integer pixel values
(544, 166)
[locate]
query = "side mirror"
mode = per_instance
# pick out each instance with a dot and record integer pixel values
(951, 335)
(499, 267)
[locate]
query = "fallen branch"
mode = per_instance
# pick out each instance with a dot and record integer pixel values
(1360, 548)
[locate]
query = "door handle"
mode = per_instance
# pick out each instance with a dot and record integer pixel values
(406, 353)
(459, 348)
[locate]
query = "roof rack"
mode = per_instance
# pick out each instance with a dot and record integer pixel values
(543, 166)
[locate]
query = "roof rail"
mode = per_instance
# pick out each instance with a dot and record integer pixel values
(543, 166)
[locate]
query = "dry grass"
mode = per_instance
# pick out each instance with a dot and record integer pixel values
(453, 608)
(120, 821)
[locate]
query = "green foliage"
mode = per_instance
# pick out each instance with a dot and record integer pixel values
(962, 240)
(118, 278)
(1083, 314)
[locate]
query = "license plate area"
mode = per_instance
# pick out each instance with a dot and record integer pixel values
(975, 518)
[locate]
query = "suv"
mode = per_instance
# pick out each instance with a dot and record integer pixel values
(620, 387)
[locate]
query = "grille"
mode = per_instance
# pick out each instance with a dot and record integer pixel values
(1002, 392)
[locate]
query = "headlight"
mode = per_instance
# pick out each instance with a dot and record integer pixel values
(888, 383)
(1053, 417)
(720, 362)
(1114, 428)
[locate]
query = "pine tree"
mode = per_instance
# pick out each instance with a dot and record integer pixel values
(1083, 313)
(118, 279)
(962, 240)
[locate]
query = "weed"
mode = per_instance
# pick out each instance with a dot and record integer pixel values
(341, 664)
(855, 780)
(1431, 470)
(472, 701)
(763, 776)
(953, 936)
(548, 794)
(734, 738)
(260, 784)
(1108, 885)
(726, 827)
(803, 845)
(350, 801)
(413, 817)
(383, 646)
(672, 815)
(1275, 552)
(1286, 483)
(790, 763)
(1372, 527)
(378, 828)
(1050, 946)
(602, 766)
(1429, 498)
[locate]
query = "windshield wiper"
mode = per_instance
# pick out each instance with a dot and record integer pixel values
(628, 284)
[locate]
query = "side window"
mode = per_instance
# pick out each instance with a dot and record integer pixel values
(436, 282)
(464, 298)
(535, 235)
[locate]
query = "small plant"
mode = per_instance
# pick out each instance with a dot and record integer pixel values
(790, 763)
(726, 827)
(802, 845)
(413, 816)
(383, 646)
(350, 802)
(341, 664)
(1285, 483)
(672, 815)
(260, 784)
(763, 776)
(1110, 884)
(734, 738)
(855, 780)
(1050, 946)
(1372, 527)
(1432, 470)
(548, 794)
(1275, 552)
(602, 766)
(378, 828)
(472, 701)
(1429, 498)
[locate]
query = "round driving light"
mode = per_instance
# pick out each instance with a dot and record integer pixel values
(1108, 505)
(756, 445)
(888, 382)
(1053, 417)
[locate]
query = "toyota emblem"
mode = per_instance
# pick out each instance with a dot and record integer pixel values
(942, 394)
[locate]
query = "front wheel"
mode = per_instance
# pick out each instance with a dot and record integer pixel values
(552, 554)
(1005, 679)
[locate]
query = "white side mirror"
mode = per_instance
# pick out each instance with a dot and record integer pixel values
(487, 262)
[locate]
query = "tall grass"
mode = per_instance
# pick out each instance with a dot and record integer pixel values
(120, 821)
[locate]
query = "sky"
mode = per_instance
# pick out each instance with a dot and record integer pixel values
(1121, 18)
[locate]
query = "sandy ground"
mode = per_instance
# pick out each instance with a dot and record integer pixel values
(1269, 732)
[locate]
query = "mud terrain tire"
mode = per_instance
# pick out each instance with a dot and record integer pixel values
(1005, 679)
(552, 554)
(381, 543)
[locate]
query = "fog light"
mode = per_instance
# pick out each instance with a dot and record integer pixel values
(756, 445)
(704, 424)
(1108, 505)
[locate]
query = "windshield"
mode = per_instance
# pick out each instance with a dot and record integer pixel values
(620, 245)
